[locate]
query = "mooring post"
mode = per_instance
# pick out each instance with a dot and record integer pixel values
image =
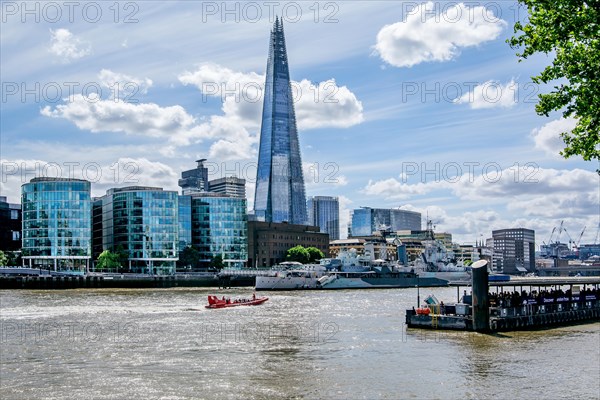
(480, 302)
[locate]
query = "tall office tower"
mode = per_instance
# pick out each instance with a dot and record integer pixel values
(324, 212)
(194, 180)
(279, 194)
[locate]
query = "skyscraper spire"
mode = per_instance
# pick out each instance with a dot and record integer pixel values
(279, 194)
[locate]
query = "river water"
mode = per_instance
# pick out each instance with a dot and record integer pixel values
(126, 344)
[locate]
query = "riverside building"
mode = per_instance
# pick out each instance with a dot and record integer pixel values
(57, 232)
(144, 223)
(220, 229)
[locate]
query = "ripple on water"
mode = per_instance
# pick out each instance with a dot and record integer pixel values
(343, 344)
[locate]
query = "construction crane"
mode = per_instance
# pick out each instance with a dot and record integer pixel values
(551, 234)
(580, 236)
(571, 241)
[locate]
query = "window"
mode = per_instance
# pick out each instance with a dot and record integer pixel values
(14, 214)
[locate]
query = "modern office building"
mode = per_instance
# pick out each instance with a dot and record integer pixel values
(194, 180)
(220, 228)
(514, 250)
(229, 186)
(185, 222)
(367, 221)
(324, 212)
(279, 194)
(10, 225)
(57, 217)
(268, 242)
(143, 222)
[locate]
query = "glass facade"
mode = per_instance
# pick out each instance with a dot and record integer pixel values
(57, 219)
(367, 221)
(279, 194)
(361, 223)
(185, 222)
(324, 212)
(220, 227)
(142, 222)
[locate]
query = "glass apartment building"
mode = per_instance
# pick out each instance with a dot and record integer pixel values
(220, 227)
(368, 221)
(279, 194)
(57, 218)
(324, 212)
(143, 222)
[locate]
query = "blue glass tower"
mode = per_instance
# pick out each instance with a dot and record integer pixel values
(279, 194)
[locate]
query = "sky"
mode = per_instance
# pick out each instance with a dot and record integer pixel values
(417, 105)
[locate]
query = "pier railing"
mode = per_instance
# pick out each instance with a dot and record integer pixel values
(547, 306)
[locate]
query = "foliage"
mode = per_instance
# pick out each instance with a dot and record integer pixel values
(3, 259)
(299, 254)
(14, 258)
(571, 29)
(123, 255)
(108, 261)
(314, 254)
(188, 257)
(217, 262)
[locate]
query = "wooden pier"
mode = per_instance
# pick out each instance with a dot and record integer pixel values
(497, 309)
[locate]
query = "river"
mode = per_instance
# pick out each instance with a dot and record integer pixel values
(163, 343)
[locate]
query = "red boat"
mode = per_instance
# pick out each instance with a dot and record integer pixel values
(215, 302)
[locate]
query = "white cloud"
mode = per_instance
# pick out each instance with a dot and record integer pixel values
(326, 104)
(317, 105)
(394, 190)
(236, 143)
(490, 94)
(124, 171)
(528, 191)
(140, 171)
(123, 85)
(340, 180)
(240, 92)
(99, 115)
(429, 34)
(527, 182)
(472, 226)
(172, 123)
(230, 132)
(67, 46)
(548, 139)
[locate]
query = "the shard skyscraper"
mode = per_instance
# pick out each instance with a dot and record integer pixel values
(279, 192)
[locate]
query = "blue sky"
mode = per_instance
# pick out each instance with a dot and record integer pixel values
(419, 105)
